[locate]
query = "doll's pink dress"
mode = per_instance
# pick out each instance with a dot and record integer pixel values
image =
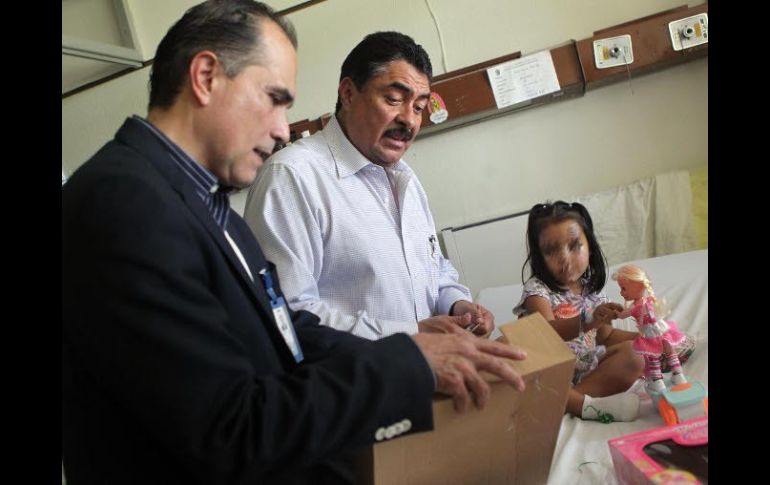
(652, 330)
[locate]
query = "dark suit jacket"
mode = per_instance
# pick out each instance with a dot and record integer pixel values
(173, 368)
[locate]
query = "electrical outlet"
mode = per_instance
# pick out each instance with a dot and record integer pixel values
(689, 32)
(613, 51)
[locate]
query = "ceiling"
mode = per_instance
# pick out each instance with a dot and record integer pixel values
(98, 36)
(77, 72)
(91, 31)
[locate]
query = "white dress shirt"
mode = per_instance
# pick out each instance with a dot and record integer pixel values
(344, 247)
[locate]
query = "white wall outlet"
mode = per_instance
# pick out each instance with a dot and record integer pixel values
(689, 32)
(613, 51)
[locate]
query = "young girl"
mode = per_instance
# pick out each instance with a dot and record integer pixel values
(568, 273)
(657, 338)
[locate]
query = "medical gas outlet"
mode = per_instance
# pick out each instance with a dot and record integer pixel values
(613, 51)
(689, 32)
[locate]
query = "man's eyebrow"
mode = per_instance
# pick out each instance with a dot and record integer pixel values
(281, 96)
(407, 90)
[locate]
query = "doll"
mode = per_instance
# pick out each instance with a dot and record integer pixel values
(656, 335)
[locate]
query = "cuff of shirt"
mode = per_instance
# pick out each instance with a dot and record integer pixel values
(448, 297)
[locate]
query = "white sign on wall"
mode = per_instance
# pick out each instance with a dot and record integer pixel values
(522, 79)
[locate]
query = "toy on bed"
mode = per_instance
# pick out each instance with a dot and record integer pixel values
(683, 402)
(675, 454)
(656, 335)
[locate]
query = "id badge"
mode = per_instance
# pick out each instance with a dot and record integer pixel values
(281, 314)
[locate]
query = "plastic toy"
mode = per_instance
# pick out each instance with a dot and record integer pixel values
(683, 402)
(656, 335)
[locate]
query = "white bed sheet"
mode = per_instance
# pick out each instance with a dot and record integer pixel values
(582, 454)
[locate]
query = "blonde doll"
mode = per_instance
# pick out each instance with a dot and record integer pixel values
(656, 335)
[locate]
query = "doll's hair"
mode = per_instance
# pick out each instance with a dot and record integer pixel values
(631, 272)
(543, 215)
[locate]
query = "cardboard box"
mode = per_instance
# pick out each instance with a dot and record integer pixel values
(669, 454)
(510, 442)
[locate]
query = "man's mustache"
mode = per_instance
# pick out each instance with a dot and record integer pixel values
(401, 132)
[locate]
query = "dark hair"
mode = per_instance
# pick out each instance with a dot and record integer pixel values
(229, 28)
(372, 55)
(542, 215)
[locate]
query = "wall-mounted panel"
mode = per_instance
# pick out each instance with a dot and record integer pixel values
(652, 46)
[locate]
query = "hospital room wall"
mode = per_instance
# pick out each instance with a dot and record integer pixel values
(611, 136)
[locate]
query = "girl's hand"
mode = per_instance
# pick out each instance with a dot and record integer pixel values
(605, 313)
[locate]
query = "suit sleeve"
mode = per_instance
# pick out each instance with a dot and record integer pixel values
(142, 321)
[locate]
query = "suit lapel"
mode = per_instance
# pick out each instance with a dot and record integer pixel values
(133, 134)
(200, 211)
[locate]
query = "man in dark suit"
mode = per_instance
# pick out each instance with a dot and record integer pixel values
(181, 361)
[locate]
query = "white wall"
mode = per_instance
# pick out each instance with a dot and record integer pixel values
(608, 137)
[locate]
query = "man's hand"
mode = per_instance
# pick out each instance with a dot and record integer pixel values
(456, 360)
(482, 320)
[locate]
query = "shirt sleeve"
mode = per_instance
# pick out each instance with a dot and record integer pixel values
(279, 210)
(450, 290)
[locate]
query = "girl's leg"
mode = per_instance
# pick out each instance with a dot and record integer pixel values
(575, 402)
(620, 407)
(618, 369)
(602, 391)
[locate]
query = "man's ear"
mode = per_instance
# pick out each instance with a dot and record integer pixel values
(346, 91)
(203, 71)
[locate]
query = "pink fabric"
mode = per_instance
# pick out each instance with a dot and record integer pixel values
(644, 313)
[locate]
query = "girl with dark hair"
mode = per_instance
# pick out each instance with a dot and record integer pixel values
(568, 273)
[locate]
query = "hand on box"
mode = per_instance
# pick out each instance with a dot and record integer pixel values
(456, 360)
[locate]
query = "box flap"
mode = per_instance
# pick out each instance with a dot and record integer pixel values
(537, 337)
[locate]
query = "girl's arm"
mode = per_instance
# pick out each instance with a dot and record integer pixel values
(608, 335)
(567, 328)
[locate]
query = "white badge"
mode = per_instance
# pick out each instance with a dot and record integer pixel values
(281, 314)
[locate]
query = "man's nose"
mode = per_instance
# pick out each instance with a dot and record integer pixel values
(408, 117)
(280, 130)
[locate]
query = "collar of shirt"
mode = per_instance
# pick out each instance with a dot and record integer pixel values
(216, 196)
(346, 156)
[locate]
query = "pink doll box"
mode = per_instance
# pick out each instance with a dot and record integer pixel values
(669, 454)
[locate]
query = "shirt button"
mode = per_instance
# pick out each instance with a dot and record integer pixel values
(407, 425)
(380, 434)
(390, 432)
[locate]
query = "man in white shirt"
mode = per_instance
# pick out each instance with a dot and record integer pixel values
(346, 220)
